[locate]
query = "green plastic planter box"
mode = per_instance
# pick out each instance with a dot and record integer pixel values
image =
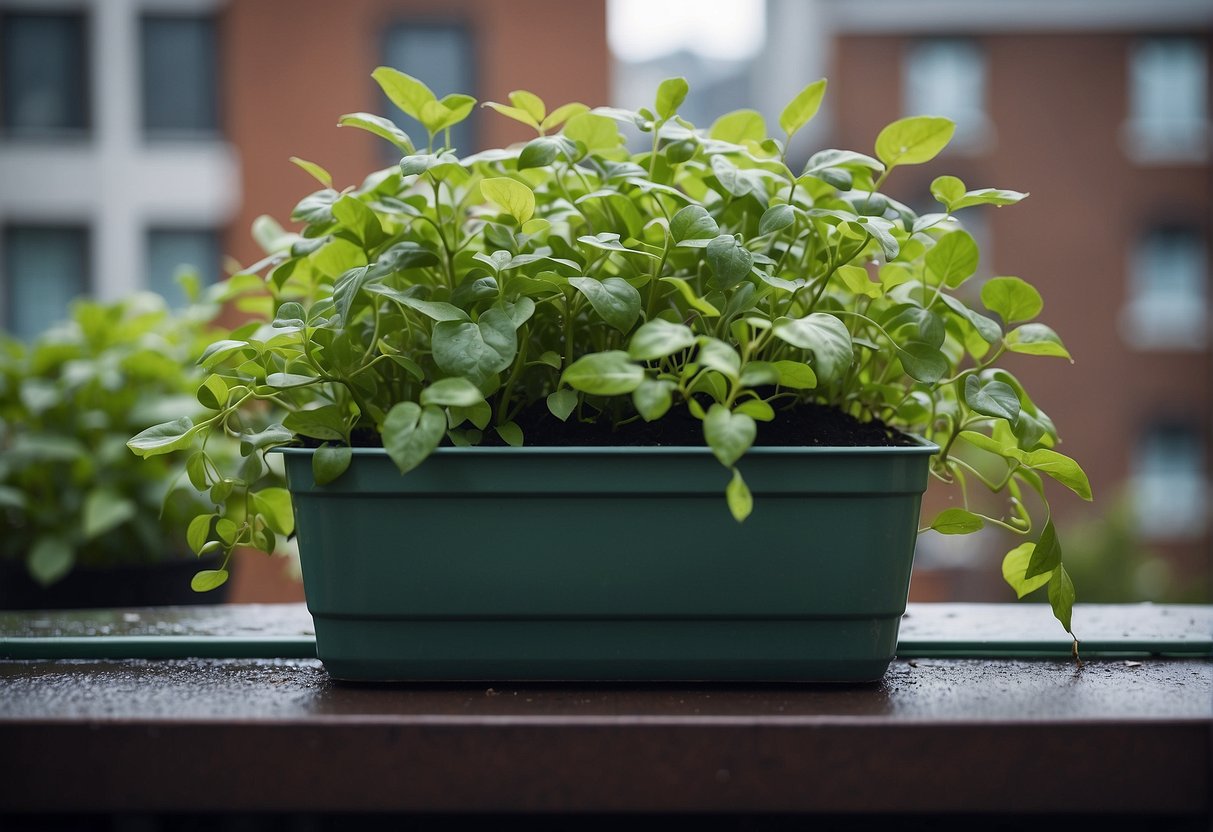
(609, 564)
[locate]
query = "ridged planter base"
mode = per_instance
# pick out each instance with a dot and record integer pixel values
(619, 564)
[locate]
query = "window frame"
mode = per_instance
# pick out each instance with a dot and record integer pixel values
(88, 117)
(74, 224)
(153, 135)
(972, 139)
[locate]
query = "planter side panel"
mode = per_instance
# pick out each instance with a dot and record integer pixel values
(528, 574)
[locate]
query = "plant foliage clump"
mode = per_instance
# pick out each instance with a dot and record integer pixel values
(439, 298)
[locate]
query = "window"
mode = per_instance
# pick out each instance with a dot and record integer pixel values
(1168, 99)
(1169, 488)
(43, 82)
(45, 268)
(947, 77)
(1168, 306)
(180, 76)
(173, 251)
(441, 56)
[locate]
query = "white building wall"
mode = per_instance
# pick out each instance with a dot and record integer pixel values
(114, 180)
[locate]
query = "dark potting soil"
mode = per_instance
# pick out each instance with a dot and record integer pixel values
(806, 424)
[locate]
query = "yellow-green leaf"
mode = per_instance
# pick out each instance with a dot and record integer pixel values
(320, 174)
(511, 195)
(913, 140)
(803, 107)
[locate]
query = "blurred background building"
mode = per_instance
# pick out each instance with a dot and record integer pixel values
(140, 135)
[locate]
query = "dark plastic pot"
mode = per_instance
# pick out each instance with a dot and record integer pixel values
(165, 583)
(609, 563)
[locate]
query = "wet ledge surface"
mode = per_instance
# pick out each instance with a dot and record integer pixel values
(936, 735)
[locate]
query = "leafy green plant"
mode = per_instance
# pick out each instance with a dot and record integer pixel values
(443, 299)
(70, 492)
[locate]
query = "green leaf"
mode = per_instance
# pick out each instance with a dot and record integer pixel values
(542, 151)
(670, 95)
(164, 438)
(1013, 299)
(614, 299)
(195, 469)
(516, 113)
(948, 190)
(957, 521)
(207, 579)
(50, 559)
(729, 260)
(411, 433)
(327, 422)
(510, 434)
(1061, 468)
(922, 361)
(803, 107)
(1036, 339)
(561, 403)
(728, 434)
(320, 174)
(199, 532)
(562, 114)
(856, 279)
(1062, 597)
(823, 334)
(529, 103)
(775, 219)
(381, 127)
(213, 393)
(452, 392)
(274, 434)
(759, 374)
(105, 509)
(1047, 555)
(989, 196)
(597, 133)
(608, 373)
(992, 398)
(1015, 564)
(274, 504)
(354, 214)
(329, 462)
(405, 91)
(913, 140)
(719, 356)
(953, 259)
(756, 409)
(475, 350)
(796, 374)
(737, 493)
(693, 300)
(659, 338)
(512, 196)
(653, 398)
(693, 222)
(739, 127)
(434, 310)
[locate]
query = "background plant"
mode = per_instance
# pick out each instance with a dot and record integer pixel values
(70, 493)
(441, 298)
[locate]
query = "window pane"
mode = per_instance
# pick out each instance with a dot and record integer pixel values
(1169, 484)
(1167, 290)
(947, 77)
(44, 270)
(441, 57)
(1169, 86)
(172, 251)
(179, 75)
(42, 63)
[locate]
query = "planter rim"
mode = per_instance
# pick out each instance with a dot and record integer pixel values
(922, 447)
